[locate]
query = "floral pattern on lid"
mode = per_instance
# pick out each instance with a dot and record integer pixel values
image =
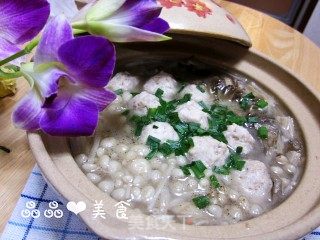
(203, 17)
(196, 6)
(171, 3)
(199, 7)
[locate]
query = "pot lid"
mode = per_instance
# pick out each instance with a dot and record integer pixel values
(203, 17)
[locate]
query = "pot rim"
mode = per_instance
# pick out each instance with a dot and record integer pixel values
(294, 230)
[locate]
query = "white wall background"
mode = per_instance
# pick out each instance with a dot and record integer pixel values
(312, 29)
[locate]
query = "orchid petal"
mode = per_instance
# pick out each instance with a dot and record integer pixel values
(68, 8)
(44, 77)
(7, 49)
(77, 117)
(157, 25)
(122, 33)
(22, 20)
(103, 9)
(135, 13)
(56, 33)
(27, 112)
(90, 60)
(100, 96)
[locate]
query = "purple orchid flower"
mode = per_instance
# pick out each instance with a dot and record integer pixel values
(68, 8)
(123, 20)
(68, 79)
(20, 21)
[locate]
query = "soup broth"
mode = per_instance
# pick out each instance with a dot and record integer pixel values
(187, 139)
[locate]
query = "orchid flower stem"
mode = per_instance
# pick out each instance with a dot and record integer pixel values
(78, 31)
(28, 48)
(4, 75)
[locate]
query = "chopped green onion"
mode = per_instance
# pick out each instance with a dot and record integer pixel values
(204, 107)
(238, 165)
(126, 112)
(134, 94)
(182, 87)
(201, 88)
(218, 136)
(201, 201)
(153, 142)
(222, 170)
(252, 119)
(151, 154)
(261, 103)
(181, 128)
(214, 181)
(197, 171)
(246, 101)
(159, 93)
(197, 168)
(185, 145)
(140, 122)
(193, 127)
(234, 162)
(263, 132)
(200, 165)
(184, 99)
(119, 91)
(185, 170)
(166, 149)
(239, 150)
(249, 96)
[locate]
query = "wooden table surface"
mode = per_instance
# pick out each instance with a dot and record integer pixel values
(268, 35)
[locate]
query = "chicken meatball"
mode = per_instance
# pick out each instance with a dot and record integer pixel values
(161, 130)
(192, 112)
(124, 81)
(210, 151)
(238, 136)
(253, 181)
(165, 82)
(140, 103)
(196, 94)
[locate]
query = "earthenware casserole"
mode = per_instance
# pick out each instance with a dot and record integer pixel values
(193, 36)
